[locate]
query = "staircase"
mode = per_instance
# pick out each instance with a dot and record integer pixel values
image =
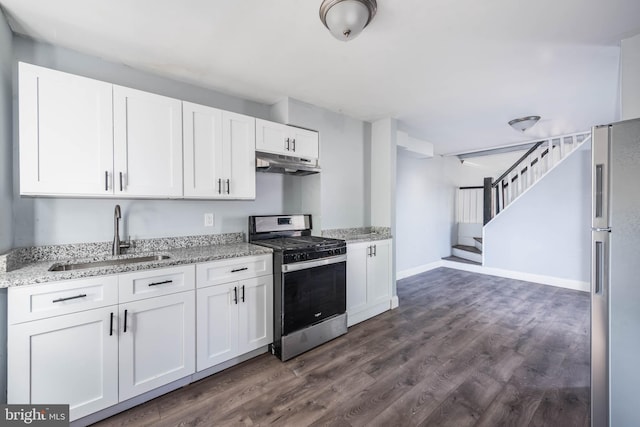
(467, 254)
(478, 205)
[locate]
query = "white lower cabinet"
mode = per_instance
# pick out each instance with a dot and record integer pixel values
(93, 358)
(70, 359)
(94, 342)
(369, 289)
(157, 342)
(233, 318)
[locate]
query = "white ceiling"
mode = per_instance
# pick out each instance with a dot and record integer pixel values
(452, 72)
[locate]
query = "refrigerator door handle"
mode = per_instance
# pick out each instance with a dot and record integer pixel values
(600, 177)
(600, 328)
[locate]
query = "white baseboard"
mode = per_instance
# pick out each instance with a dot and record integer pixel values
(417, 270)
(395, 302)
(576, 285)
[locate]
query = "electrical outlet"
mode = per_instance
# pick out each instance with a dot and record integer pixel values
(208, 220)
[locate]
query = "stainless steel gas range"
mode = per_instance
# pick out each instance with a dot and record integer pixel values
(310, 278)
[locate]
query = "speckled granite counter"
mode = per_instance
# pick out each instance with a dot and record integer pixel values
(362, 234)
(31, 265)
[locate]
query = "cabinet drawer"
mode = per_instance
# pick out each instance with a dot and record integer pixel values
(153, 283)
(58, 298)
(230, 270)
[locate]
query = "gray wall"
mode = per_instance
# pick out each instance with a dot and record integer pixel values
(6, 196)
(547, 232)
(40, 221)
(6, 145)
(630, 76)
(425, 196)
(344, 160)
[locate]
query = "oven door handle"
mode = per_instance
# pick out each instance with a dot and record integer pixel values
(287, 268)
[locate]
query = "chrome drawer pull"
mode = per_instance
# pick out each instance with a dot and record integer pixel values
(239, 269)
(69, 298)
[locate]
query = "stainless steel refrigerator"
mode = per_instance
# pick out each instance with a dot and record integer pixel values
(615, 275)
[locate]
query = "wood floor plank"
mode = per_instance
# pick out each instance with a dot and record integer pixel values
(462, 349)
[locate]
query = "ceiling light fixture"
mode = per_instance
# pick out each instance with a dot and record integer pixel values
(347, 18)
(524, 123)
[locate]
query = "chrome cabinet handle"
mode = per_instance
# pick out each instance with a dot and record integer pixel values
(121, 181)
(219, 185)
(287, 140)
(125, 321)
(111, 325)
(242, 293)
(235, 294)
(69, 298)
(235, 270)
(228, 187)
(375, 250)
(293, 142)
(106, 180)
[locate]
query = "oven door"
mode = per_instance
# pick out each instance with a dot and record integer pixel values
(313, 291)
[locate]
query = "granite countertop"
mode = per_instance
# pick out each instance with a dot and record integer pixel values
(362, 234)
(34, 270)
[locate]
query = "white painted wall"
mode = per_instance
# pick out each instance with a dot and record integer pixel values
(425, 198)
(630, 76)
(6, 194)
(40, 221)
(547, 232)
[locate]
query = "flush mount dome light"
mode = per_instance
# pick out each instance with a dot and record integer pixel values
(524, 123)
(347, 18)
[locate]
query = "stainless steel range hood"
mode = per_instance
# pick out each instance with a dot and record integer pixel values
(289, 165)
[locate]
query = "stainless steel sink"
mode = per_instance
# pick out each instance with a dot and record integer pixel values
(107, 263)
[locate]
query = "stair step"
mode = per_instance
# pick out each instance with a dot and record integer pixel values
(478, 242)
(461, 260)
(467, 252)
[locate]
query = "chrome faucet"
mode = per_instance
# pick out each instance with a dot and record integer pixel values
(117, 244)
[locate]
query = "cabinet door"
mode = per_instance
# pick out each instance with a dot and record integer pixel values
(66, 134)
(304, 143)
(272, 137)
(147, 144)
(239, 154)
(70, 359)
(203, 170)
(379, 273)
(255, 313)
(158, 344)
(217, 331)
(357, 255)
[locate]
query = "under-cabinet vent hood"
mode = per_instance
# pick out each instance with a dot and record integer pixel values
(289, 165)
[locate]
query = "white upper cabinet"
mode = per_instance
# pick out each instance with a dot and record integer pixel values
(66, 133)
(277, 138)
(219, 153)
(87, 138)
(147, 144)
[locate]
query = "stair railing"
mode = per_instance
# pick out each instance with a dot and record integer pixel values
(527, 170)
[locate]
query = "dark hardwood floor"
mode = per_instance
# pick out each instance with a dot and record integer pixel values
(463, 349)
